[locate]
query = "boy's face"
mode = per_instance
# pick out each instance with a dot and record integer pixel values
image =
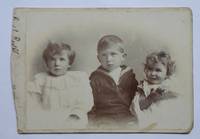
(58, 64)
(156, 73)
(111, 57)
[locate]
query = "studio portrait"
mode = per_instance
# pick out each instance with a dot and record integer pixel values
(103, 70)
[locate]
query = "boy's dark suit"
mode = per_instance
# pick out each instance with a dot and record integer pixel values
(111, 101)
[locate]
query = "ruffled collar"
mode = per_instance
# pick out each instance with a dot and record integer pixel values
(147, 87)
(60, 82)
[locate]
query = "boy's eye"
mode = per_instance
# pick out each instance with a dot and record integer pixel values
(113, 54)
(158, 70)
(62, 59)
(150, 69)
(103, 55)
(51, 59)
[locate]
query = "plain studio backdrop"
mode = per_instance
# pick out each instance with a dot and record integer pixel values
(142, 30)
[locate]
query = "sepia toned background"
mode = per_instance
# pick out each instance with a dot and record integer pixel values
(143, 31)
(7, 110)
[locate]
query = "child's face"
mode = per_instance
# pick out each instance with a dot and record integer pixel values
(58, 64)
(111, 58)
(156, 74)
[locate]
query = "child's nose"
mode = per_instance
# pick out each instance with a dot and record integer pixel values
(109, 57)
(57, 62)
(153, 73)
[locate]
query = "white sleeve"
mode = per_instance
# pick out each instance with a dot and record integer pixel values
(84, 100)
(135, 104)
(36, 85)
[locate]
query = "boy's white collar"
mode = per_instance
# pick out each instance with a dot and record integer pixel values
(115, 74)
(122, 70)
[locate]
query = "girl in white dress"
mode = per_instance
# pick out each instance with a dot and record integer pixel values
(156, 103)
(65, 96)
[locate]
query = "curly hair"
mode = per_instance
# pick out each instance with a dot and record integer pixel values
(161, 57)
(56, 48)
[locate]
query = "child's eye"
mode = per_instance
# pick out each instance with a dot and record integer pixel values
(62, 59)
(158, 70)
(113, 54)
(51, 59)
(150, 69)
(103, 55)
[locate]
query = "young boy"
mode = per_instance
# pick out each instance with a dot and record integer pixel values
(113, 85)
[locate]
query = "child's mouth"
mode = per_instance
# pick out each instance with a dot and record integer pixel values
(109, 65)
(57, 69)
(153, 78)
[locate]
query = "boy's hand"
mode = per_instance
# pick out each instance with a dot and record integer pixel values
(144, 102)
(160, 90)
(153, 97)
(156, 95)
(74, 117)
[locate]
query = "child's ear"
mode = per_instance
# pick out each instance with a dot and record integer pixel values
(145, 70)
(98, 58)
(45, 63)
(124, 55)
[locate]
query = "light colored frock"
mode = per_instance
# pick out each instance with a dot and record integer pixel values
(62, 96)
(162, 115)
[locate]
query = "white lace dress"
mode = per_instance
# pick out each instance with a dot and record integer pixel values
(62, 96)
(161, 115)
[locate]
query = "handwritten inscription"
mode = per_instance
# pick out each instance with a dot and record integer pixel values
(15, 48)
(15, 18)
(15, 38)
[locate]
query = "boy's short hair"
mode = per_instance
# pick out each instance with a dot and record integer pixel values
(56, 48)
(161, 57)
(108, 40)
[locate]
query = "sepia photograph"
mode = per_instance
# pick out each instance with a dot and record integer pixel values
(102, 70)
